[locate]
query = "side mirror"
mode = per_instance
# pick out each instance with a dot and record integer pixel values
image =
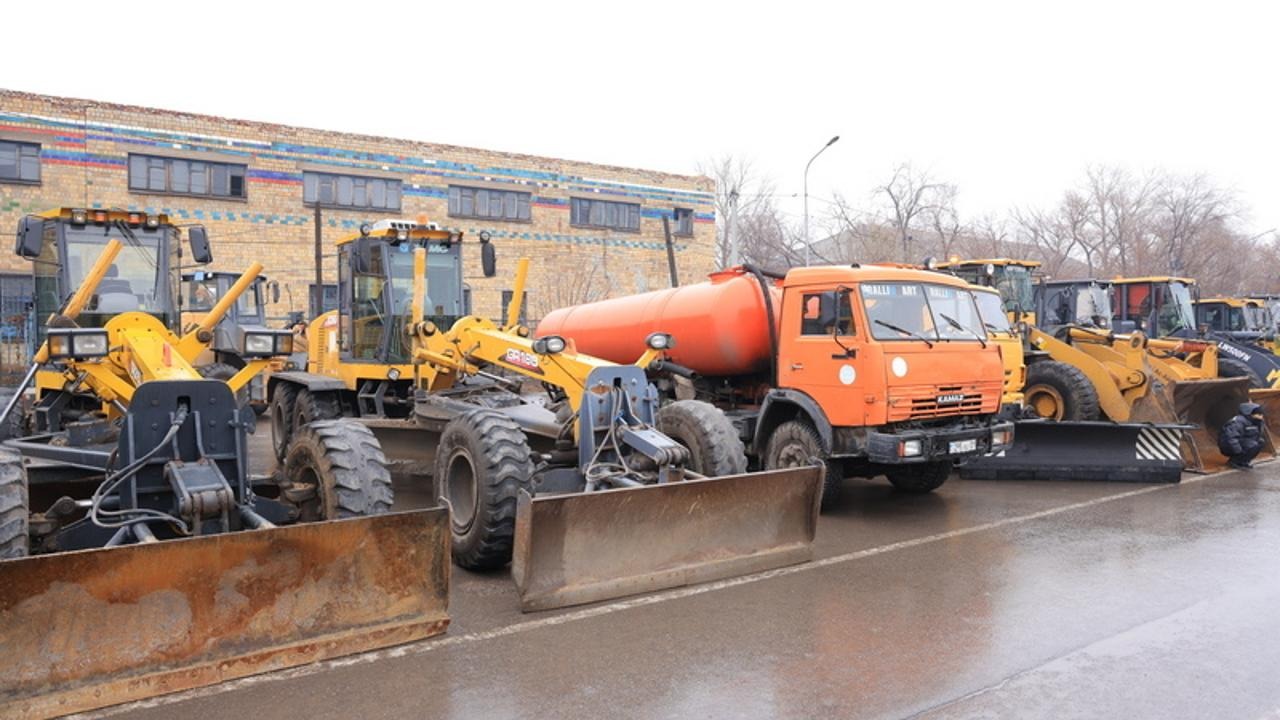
(201, 253)
(30, 238)
(488, 258)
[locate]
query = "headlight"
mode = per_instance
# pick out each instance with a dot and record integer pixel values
(1001, 438)
(909, 448)
(268, 343)
(660, 341)
(393, 374)
(549, 345)
(78, 343)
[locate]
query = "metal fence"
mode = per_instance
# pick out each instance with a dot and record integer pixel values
(17, 327)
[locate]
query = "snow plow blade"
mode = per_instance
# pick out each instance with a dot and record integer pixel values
(1208, 405)
(1092, 451)
(1269, 399)
(87, 629)
(586, 547)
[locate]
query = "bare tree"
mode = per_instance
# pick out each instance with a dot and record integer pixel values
(908, 195)
(945, 222)
(740, 190)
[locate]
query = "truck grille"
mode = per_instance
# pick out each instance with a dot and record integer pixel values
(926, 402)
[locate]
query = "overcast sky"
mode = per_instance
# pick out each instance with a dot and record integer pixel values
(1010, 101)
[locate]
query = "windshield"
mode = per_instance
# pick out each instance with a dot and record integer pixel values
(132, 282)
(201, 294)
(248, 303)
(921, 311)
(1093, 306)
(1014, 284)
(991, 309)
(1175, 311)
(443, 302)
(1257, 317)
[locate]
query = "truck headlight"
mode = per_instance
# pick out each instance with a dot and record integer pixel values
(1001, 438)
(910, 448)
(260, 343)
(77, 343)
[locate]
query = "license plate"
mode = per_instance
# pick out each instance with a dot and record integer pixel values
(963, 446)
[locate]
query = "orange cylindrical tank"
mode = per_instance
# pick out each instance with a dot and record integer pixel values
(720, 326)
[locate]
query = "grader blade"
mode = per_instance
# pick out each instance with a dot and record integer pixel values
(586, 547)
(1091, 451)
(81, 630)
(1206, 404)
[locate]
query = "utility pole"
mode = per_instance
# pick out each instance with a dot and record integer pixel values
(671, 251)
(735, 249)
(317, 300)
(830, 142)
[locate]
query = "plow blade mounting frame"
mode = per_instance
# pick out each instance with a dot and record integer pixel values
(586, 547)
(87, 629)
(1090, 451)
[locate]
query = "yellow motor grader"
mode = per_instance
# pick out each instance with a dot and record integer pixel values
(139, 555)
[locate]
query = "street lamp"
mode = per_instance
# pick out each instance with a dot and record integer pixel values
(830, 142)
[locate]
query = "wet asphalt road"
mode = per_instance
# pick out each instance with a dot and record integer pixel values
(1026, 600)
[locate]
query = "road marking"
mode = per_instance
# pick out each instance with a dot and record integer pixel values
(432, 645)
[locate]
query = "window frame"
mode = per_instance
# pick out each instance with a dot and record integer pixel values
(209, 168)
(353, 180)
(19, 145)
(675, 215)
(606, 204)
(503, 193)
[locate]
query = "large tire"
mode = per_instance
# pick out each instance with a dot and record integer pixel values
(224, 372)
(919, 478)
(14, 511)
(1229, 367)
(14, 426)
(795, 444)
(282, 408)
(336, 469)
(1058, 391)
(312, 406)
(715, 449)
(482, 463)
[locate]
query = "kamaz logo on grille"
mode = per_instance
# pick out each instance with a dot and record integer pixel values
(950, 398)
(520, 358)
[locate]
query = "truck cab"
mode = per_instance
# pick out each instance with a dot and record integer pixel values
(1241, 319)
(1013, 279)
(1080, 303)
(1001, 332)
(201, 290)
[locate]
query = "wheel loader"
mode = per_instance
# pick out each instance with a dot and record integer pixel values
(554, 461)
(140, 556)
(1244, 320)
(1159, 399)
(224, 358)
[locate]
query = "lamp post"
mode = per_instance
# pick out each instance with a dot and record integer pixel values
(830, 142)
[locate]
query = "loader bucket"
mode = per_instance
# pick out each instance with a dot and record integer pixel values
(585, 547)
(1269, 399)
(1207, 404)
(1099, 451)
(86, 629)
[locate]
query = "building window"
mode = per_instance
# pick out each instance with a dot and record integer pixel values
(148, 173)
(329, 299)
(469, 202)
(19, 162)
(605, 214)
(350, 191)
(684, 221)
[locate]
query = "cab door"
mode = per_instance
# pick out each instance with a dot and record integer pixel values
(822, 351)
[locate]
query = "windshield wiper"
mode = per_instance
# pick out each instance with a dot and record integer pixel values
(956, 324)
(905, 331)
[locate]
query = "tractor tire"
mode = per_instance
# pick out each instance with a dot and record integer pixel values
(14, 510)
(335, 469)
(1058, 391)
(1232, 368)
(14, 426)
(919, 478)
(715, 450)
(310, 406)
(224, 372)
(482, 462)
(282, 408)
(795, 444)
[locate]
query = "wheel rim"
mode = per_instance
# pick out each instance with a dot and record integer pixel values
(304, 478)
(460, 487)
(1046, 401)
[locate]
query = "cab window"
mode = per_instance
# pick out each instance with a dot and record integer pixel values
(826, 313)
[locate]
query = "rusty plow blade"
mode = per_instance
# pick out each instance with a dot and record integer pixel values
(1206, 404)
(86, 629)
(1269, 399)
(585, 547)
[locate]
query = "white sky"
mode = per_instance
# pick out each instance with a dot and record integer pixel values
(1010, 101)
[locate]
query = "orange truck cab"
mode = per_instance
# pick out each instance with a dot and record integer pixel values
(876, 370)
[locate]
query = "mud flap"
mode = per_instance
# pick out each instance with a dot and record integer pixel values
(86, 629)
(1208, 405)
(585, 547)
(1098, 451)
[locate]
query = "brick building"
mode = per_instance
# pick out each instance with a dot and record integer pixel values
(591, 230)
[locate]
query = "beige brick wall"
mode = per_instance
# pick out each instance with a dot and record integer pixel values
(85, 145)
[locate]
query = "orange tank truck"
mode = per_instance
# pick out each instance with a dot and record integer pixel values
(876, 370)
